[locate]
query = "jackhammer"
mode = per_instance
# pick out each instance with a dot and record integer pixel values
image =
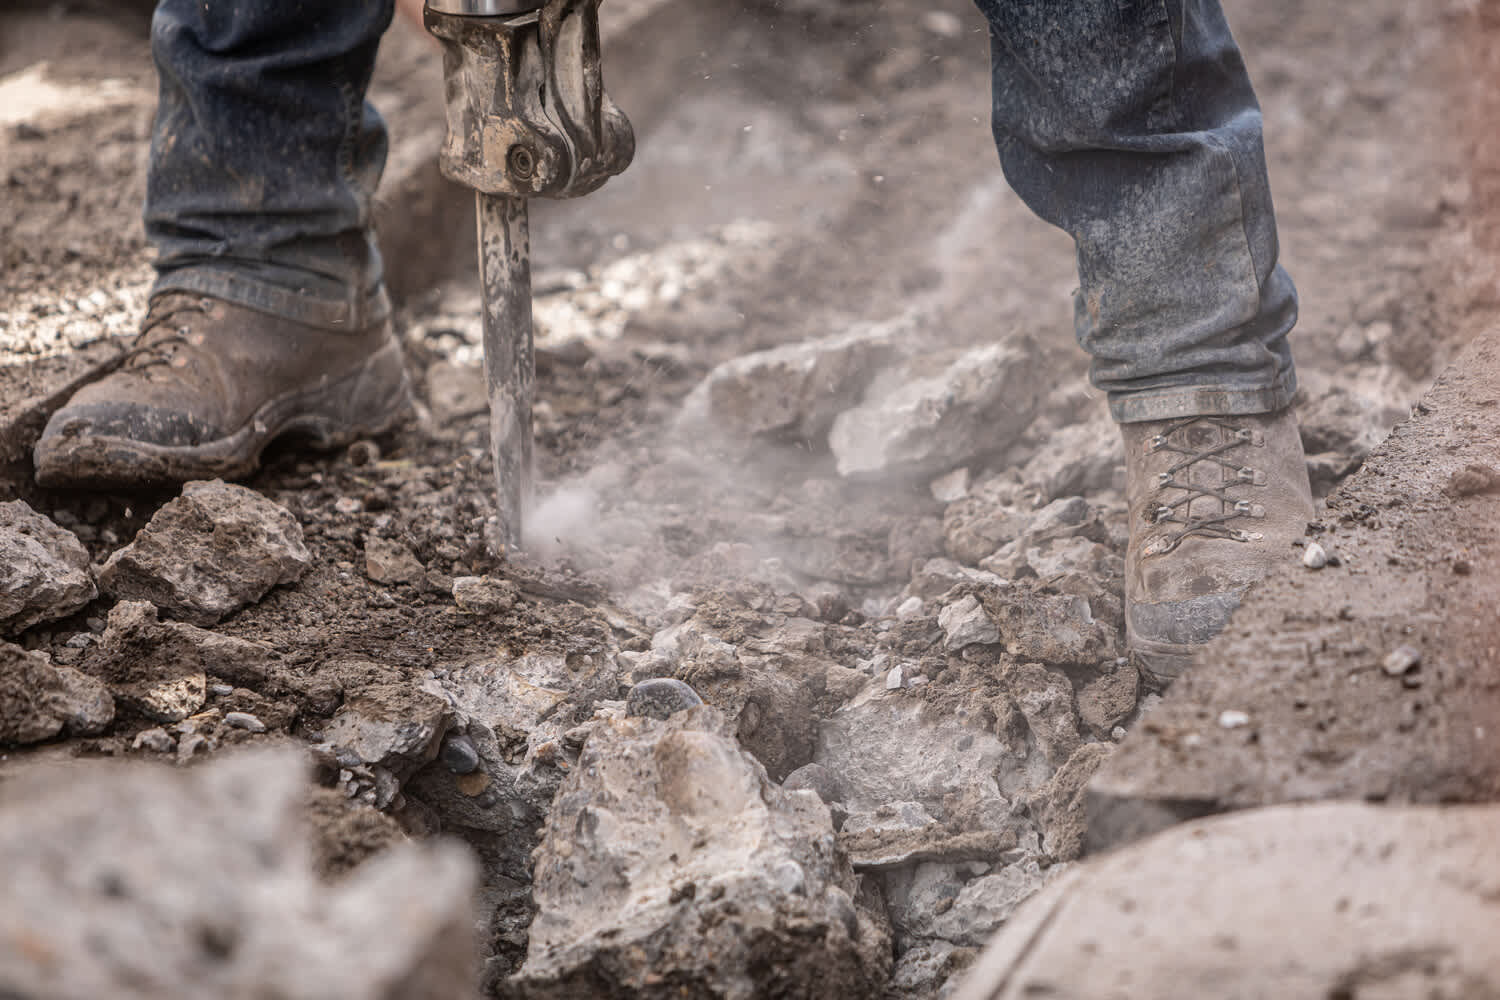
(527, 117)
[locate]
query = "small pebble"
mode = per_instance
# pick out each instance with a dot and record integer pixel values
(1232, 719)
(894, 678)
(220, 690)
(157, 739)
(1117, 734)
(1314, 556)
(909, 608)
(348, 505)
(1401, 660)
(458, 754)
(244, 720)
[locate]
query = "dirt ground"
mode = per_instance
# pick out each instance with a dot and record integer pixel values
(830, 169)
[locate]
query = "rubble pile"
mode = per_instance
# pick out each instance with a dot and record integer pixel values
(829, 720)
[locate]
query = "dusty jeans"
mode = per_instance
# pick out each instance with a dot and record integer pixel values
(1131, 124)
(265, 156)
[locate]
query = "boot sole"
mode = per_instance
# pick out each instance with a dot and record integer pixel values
(1159, 663)
(369, 400)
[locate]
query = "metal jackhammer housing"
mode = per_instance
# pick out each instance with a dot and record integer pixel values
(527, 118)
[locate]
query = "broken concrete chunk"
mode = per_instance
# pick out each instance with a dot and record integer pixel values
(44, 570)
(1059, 629)
(1045, 700)
(1077, 459)
(966, 624)
(794, 390)
(136, 882)
(393, 726)
(159, 668)
(913, 424)
(38, 700)
(388, 561)
(214, 550)
(484, 595)
(983, 905)
(669, 857)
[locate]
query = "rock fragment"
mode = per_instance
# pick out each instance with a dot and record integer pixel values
(794, 390)
(1314, 556)
(137, 882)
(660, 698)
(160, 668)
(1108, 700)
(391, 726)
(244, 720)
(913, 424)
(484, 595)
(44, 570)
(38, 700)
(966, 623)
(215, 549)
(669, 858)
(388, 561)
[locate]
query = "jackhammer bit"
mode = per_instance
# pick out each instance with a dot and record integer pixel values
(527, 118)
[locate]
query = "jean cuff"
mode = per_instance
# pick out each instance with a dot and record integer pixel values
(355, 313)
(1201, 401)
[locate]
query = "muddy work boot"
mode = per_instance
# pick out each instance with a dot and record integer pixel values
(208, 385)
(1214, 503)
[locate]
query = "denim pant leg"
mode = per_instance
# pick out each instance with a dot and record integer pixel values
(1132, 125)
(265, 156)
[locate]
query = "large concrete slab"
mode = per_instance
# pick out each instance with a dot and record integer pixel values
(1318, 901)
(1299, 701)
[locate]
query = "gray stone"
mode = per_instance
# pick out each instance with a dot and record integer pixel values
(950, 487)
(912, 422)
(1314, 901)
(983, 905)
(245, 721)
(44, 570)
(135, 882)
(965, 623)
(393, 726)
(39, 701)
(388, 561)
(669, 858)
(1071, 460)
(660, 698)
(924, 967)
(212, 551)
(794, 390)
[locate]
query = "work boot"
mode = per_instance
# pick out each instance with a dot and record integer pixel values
(208, 384)
(1214, 503)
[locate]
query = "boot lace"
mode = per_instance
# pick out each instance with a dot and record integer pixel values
(1174, 512)
(160, 336)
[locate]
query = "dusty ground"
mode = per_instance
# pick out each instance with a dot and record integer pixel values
(822, 172)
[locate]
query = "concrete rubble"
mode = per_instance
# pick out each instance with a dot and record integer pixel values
(671, 866)
(214, 550)
(913, 422)
(44, 570)
(38, 700)
(139, 882)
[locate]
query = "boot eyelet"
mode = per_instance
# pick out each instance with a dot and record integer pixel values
(1156, 443)
(1163, 479)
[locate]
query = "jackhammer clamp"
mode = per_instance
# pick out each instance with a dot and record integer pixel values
(527, 117)
(527, 112)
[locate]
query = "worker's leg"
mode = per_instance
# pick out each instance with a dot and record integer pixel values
(268, 315)
(1132, 125)
(265, 155)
